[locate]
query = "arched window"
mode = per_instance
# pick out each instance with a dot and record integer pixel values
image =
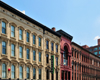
(65, 57)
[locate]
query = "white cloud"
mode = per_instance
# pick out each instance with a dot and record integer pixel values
(97, 37)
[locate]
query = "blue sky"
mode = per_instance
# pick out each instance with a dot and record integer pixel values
(79, 18)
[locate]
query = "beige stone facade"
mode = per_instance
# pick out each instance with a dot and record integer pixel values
(12, 19)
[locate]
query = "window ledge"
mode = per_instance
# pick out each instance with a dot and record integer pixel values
(13, 38)
(13, 57)
(4, 55)
(34, 45)
(47, 64)
(20, 58)
(47, 50)
(20, 40)
(28, 43)
(40, 63)
(34, 62)
(4, 34)
(28, 60)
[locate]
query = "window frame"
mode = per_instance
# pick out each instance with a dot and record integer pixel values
(34, 39)
(56, 48)
(20, 72)
(12, 26)
(40, 56)
(4, 70)
(21, 52)
(28, 73)
(47, 44)
(28, 54)
(52, 46)
(34, 56)
(21, 34)
(12, 71)
(34, 77)
(39, 41)
(4, 28)
(27, 36)
(4, 48)
(13, 50)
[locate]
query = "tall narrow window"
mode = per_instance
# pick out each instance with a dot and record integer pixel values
(34, 39)
(27, 37)
(34, 55)
(56, 75)
(47, 74)
(21, 72)
(39, 56)
(12, 50)
(56, 61)
(39, 73)
(20, 34)
(52, 45)
(3, 27)
(39, 41)
(65, 56)
(34, 73)
(20, 52)
(12, 71)
(3, 47)
(47, 44)
(47, 58)
(12, 31)
(56, 48)
(28, 52)
(28, 73)
(4, 70)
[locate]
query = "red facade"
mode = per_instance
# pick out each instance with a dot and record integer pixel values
(65, 56)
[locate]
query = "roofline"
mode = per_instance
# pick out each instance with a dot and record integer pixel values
(63, 33)
(85, 49)
(13, 10)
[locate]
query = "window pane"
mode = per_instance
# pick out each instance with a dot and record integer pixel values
(28, 53)
(20, 72)
(12, 31)
(39, 56)
(20, 52)
(56, 48)
(34, 55)
(12, 71)
(39, 41)
(3, 27)
(34, 73)
(3, 70)
(3, 47)
(20, 34)
(28, 73)
(27, 37)
(39, 73)
(33, 39)
(12, 50)
(47, 44)
(52, 46)
(56, 61)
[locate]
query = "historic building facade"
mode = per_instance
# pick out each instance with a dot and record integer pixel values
(65, 56)
(85, 65)
(26, 47)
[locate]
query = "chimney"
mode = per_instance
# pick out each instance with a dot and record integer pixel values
(85, 46)
(98, 41)
(53, 29)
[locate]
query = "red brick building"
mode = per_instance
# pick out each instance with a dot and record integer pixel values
(85, 65)
(94, 49)
(65, 56)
